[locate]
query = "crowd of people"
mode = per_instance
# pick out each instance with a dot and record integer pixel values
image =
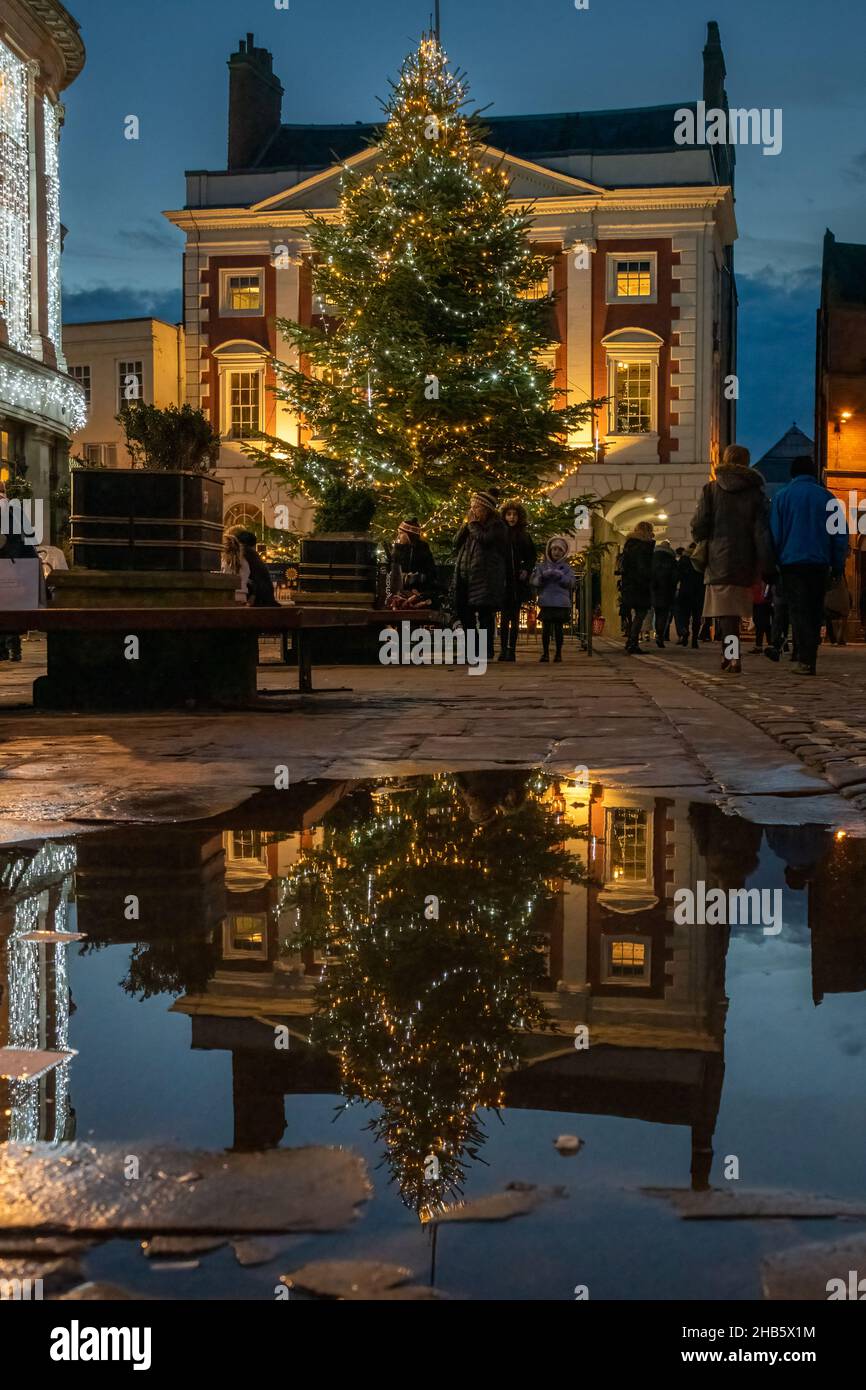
(783, 566)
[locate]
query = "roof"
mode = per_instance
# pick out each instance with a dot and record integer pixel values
(775, 466)
(636, 130)
(844, 272)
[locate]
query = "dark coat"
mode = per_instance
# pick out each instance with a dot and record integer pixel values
(479, 572)
(663, 587)
(733, 515)
(520, 555)
(416, 564)
(636, 571)
(690, 591)
(260, 589)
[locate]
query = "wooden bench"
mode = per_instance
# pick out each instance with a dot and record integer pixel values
(184, 637)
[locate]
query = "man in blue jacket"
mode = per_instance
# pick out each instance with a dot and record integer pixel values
(811, 540)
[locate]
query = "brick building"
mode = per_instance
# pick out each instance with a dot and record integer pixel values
(640, 233)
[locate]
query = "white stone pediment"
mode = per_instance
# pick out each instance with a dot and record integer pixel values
(528, 181)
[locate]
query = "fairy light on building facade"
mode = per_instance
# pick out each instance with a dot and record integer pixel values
(41, 53)
(14, 200)
(51, 122)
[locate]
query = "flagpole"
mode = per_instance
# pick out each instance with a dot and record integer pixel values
(438, 25)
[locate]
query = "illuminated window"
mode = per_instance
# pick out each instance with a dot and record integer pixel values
(245, 293)
(129, 383)
(248, 931)
(241, 293)
(244, 414)
(247, 844)
(633, 398)
(628, 845)
(631, 279)
(626, 960)
(248, 515)
(82, 376)
(540, 289)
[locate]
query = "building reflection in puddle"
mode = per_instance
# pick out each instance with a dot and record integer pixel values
(431, 948)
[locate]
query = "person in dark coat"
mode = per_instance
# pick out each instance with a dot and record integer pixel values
(259, 585)
(480, 547)
(690, 599)
(412, 563)
(636, 572)
(733, 517)
(520, 558)
(13, 547)
(663, 588)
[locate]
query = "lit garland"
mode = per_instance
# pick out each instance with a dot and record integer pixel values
(51, 119)
(14, 200)
(44, 393)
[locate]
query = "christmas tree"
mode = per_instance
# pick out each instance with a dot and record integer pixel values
(424, 382)
(428, 898)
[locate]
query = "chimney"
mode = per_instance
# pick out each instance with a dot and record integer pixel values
(714, 70)
(255, 103)
(716, 98)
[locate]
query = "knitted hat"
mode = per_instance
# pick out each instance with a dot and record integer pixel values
(410, 525)
(487, 499)
(557, 540)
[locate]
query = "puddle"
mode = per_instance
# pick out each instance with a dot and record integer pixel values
(408, 967)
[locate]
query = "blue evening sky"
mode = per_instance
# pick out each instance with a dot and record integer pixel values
(165, 61)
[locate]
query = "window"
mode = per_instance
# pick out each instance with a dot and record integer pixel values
(626, 960)
(82, 376)
(627, 845)
(244, 413)
(632, 398)
(632, 381)
(631, 278)
(245, 514)
(245, 934)
(241, 293)
(541, 289)
(247, 844)
(130, 376)
(100, 455)
(245, 293)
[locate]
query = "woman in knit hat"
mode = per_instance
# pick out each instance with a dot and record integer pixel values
(413, 568)
(480, 548)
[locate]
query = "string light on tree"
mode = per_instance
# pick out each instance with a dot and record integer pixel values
(428, 272)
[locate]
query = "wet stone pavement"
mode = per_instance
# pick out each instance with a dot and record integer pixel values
(434, 1020)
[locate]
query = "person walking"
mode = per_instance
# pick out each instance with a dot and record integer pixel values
(520, 556)
(554, 580)
(690, 599)
(14, 547)
(480, 548)
(762, 614)
(663, 588)
(837, 608)
(810, 534)
(732, 518)
(636, 568)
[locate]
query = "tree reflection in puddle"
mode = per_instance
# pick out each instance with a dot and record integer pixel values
(427, 898)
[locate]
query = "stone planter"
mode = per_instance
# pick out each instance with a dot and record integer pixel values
(338, 568)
